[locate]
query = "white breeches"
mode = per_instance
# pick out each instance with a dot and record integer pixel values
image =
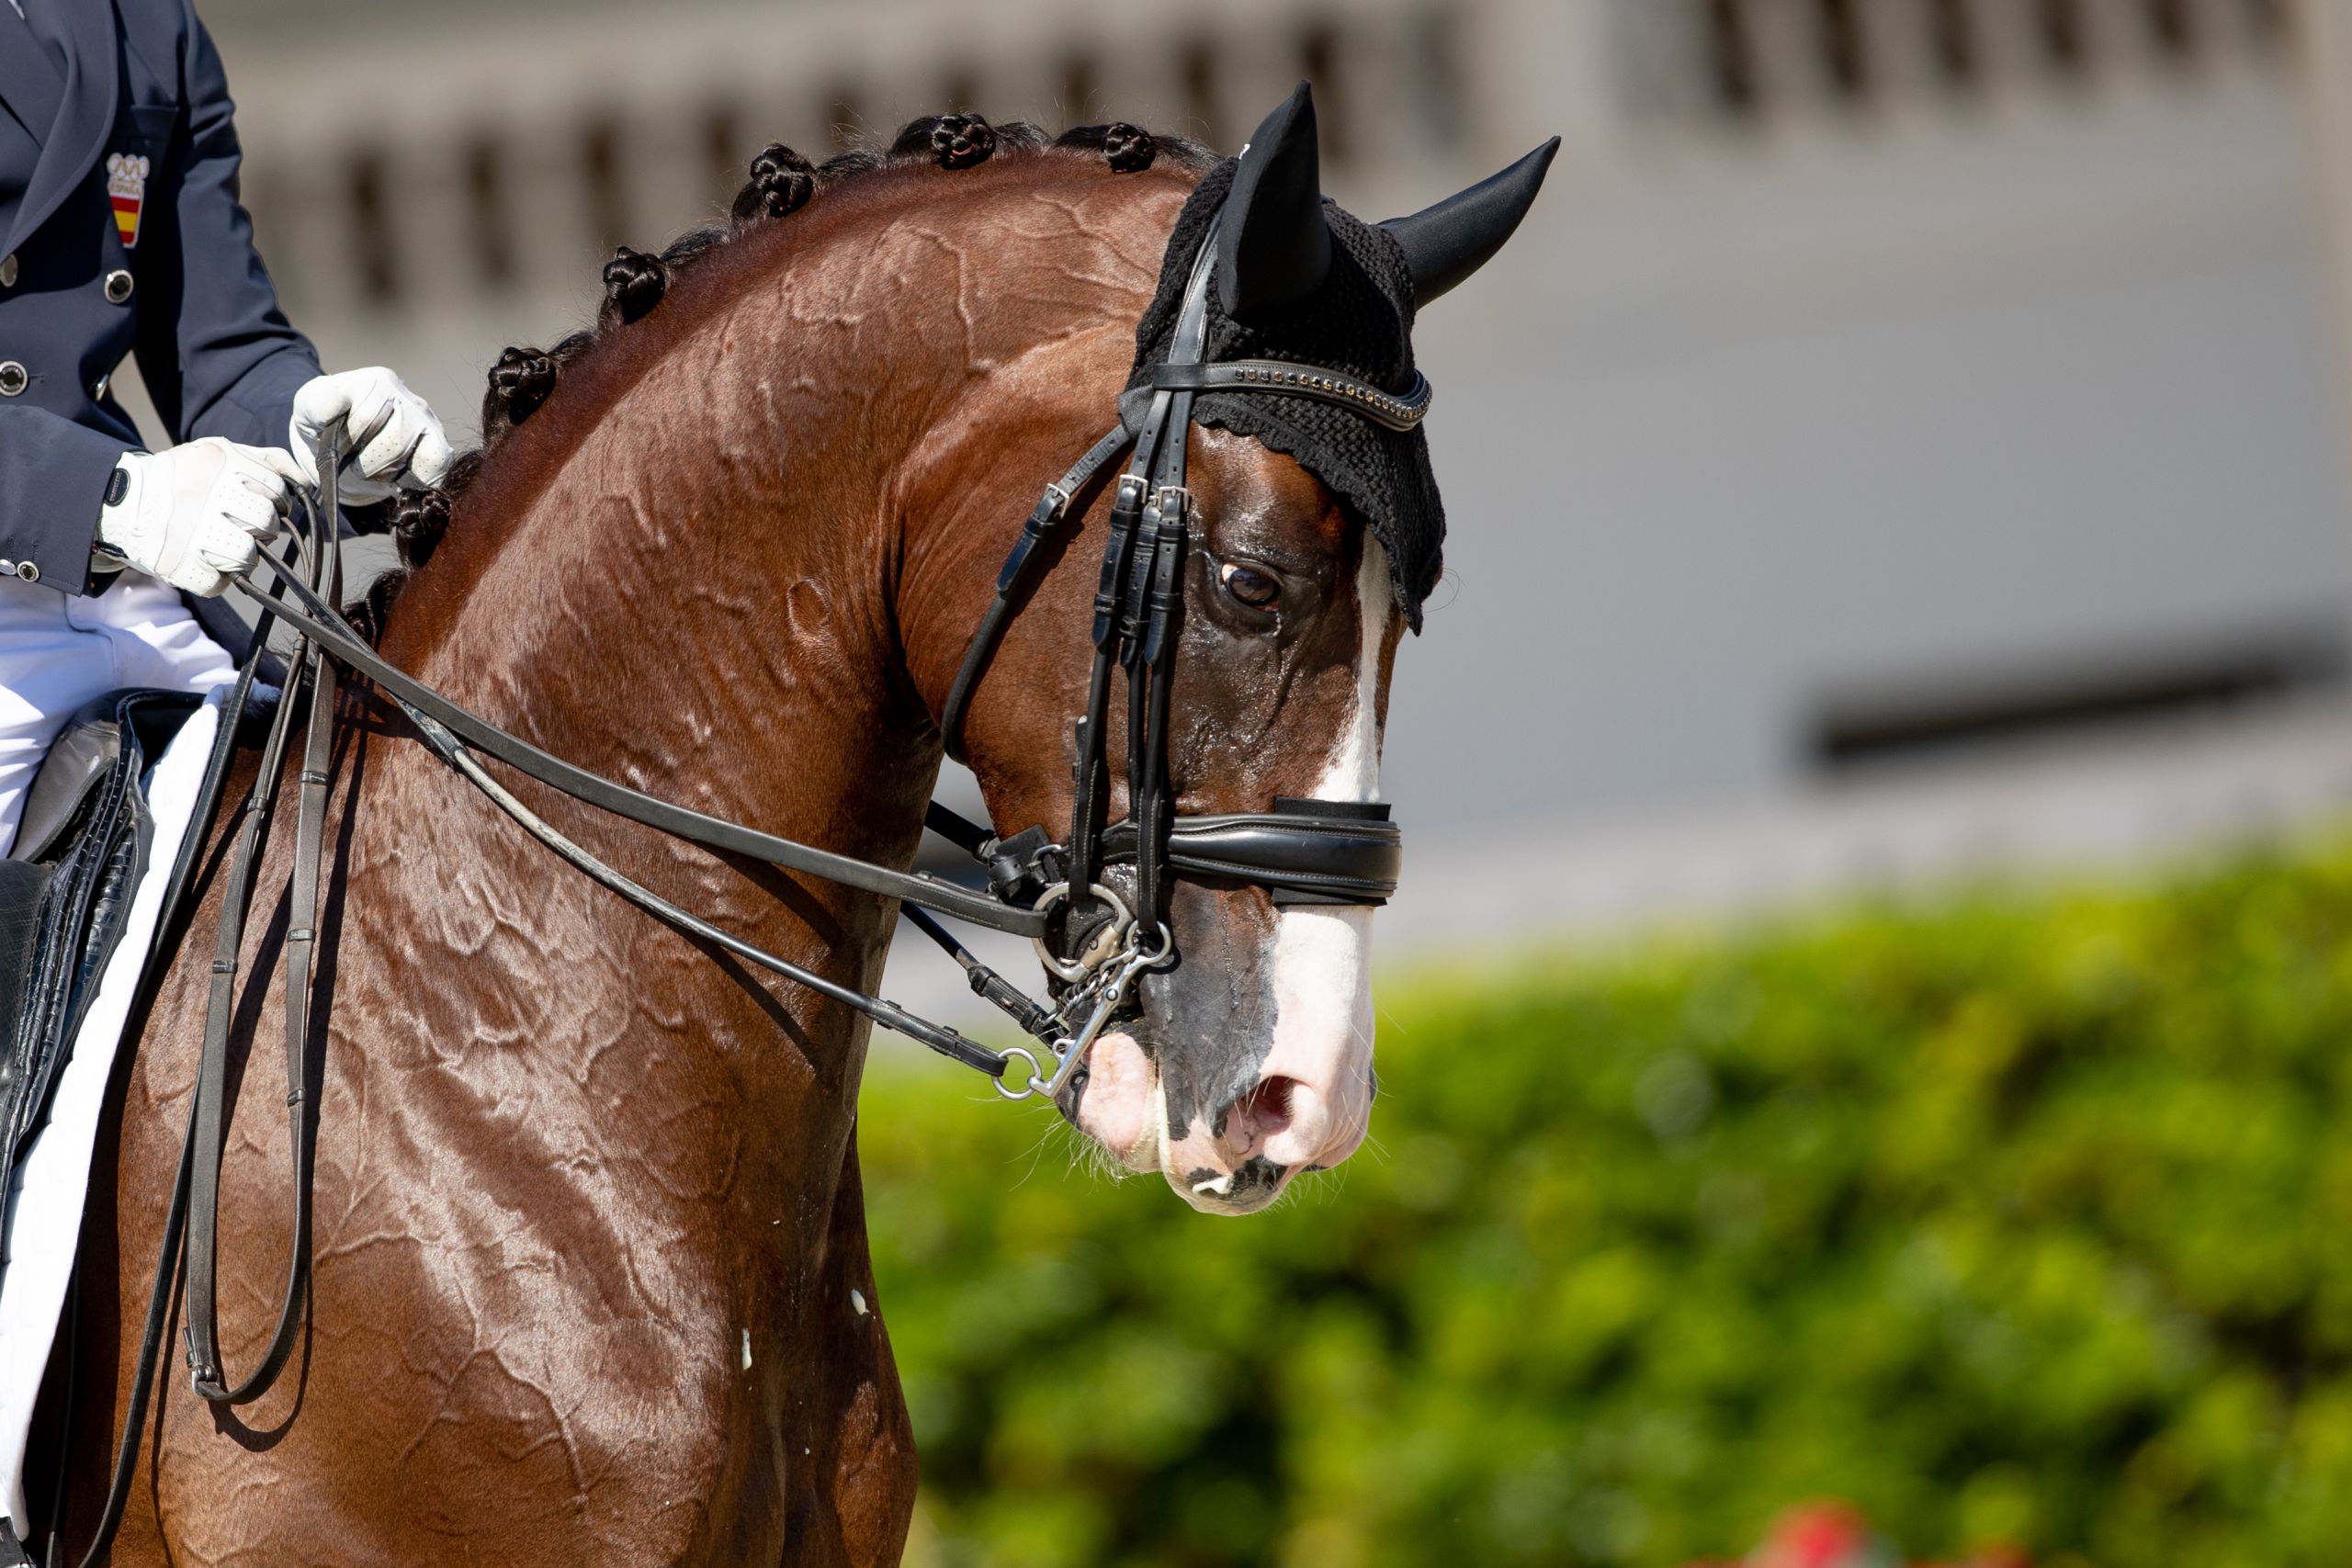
(58, 651)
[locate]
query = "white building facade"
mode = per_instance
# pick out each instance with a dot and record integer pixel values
(1874, 372)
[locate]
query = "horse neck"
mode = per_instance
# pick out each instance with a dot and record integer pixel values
(694, 595)
(691, 596)
(702, 569)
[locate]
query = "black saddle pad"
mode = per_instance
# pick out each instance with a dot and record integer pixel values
(65, 892)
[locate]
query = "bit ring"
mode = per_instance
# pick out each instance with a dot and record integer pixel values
(1099, 949)
(1036, 1074)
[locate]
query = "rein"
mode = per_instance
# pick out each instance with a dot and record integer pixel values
(1306, 851)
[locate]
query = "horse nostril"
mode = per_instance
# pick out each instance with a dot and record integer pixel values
(1265, 1110)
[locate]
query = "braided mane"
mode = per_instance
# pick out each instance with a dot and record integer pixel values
(781, 183)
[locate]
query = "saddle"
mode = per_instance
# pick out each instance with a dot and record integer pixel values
(65, 891)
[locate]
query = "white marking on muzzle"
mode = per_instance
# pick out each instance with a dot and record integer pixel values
(1321, 958)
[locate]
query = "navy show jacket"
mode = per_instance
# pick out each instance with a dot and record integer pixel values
(188, 297)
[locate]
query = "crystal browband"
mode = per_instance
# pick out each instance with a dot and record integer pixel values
(1397, 411)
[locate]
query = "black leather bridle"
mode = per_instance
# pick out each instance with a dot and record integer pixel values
(1301, 852)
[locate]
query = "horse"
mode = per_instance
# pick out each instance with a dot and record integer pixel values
(588, 1269)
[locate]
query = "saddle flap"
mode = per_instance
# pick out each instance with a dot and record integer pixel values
(66, 890)
(84, 753)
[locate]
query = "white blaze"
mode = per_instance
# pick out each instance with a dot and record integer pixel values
(1322, 954)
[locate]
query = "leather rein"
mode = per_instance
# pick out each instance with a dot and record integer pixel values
(1094, 942)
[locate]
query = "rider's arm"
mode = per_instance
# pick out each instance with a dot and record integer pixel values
(53, 478)
(217, 354)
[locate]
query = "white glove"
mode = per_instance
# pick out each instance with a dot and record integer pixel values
(195, 515)
(398, 438)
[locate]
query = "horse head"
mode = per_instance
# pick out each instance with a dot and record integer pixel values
(827, 420)
(1248, 1057)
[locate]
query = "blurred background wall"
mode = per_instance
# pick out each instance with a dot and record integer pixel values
(1906, 438)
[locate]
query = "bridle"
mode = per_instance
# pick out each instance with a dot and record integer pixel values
(1302, 852)
(1094, 942)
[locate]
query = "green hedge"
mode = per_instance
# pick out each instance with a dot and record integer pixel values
(2011, 1220)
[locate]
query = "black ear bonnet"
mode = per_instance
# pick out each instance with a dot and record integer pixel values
(1358, 321)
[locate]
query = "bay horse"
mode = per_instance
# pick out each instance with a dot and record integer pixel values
(591, 1280)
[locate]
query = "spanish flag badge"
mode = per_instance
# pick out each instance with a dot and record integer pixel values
(127, 190)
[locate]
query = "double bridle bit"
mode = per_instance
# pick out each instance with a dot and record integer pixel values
(1118, 953)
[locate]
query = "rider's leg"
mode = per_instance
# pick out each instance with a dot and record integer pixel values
(57, 651)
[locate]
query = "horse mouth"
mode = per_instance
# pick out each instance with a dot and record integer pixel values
(1116, 1100)
(1248, 1188)
(1121, 1103)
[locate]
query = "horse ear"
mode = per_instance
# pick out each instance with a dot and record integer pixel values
(1447, 242)
(1272, 248)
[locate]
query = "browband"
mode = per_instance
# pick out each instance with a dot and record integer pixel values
(1397, 411)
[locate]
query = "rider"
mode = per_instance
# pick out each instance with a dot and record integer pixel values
(121, 232)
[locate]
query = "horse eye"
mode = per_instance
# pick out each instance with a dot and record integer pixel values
(1250, 586)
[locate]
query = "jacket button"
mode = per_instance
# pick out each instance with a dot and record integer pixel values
(28, 571)
(8, 270)
(14, 378)
(118, 287)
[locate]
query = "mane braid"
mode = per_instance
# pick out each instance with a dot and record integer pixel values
(1130, 147)
(634, 283)
(781, 182)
